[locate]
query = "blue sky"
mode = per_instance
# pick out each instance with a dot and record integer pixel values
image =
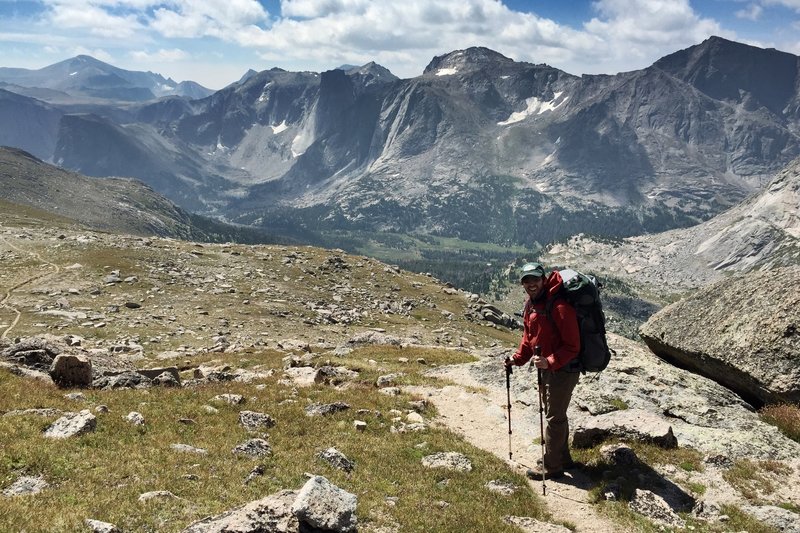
(214, 42)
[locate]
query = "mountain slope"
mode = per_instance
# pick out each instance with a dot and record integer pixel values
(35, 124)
(763, 232)
(120, 205)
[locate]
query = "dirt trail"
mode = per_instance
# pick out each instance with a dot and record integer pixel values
(479, 414)
(9, 292)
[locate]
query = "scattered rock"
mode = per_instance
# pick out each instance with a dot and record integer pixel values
(101, 527)
(317, 409)
(273, 514)
(135, 418)
(776, 517)
(157, 495)
(502, 487)
(232, 399)
(253, 448)
(71, 425)
(655, 508)
(336, 459)
(121, 380)
(321, 504)
(633, 424)
(448, 460)
(26, 486)
(185, 448)
(253, 421)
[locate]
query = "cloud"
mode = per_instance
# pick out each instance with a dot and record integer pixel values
(93, 17)
(752, 12)
(402, 35)
(96, 53)
(406, 35)
(791, 4)
(210, 18)
(160, 56)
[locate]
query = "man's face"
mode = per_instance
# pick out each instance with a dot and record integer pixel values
(533, 285)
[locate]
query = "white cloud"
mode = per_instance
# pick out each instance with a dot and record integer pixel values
(97, 53)
(210, 18)
(405, 35)
(751, 12)
(321, 8)
(791, 4)
(160, 56)
(73, 14)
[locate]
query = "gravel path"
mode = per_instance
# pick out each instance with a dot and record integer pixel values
(481, 418)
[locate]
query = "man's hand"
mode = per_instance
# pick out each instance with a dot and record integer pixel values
(508, 362)
(540, 362)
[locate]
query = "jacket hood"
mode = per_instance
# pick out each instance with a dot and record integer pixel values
(552, 285)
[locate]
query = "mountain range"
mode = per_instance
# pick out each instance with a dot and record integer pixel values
(84, 78)
(479, 147)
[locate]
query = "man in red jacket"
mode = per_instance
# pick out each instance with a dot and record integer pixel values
(551, 325)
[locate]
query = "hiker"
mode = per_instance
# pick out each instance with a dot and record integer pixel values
(558, 339)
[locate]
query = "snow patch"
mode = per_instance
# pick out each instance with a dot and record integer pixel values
(299, 145)
(446, 71)
(279, 128)
(73, 73)
(535, 107)
(165, 87)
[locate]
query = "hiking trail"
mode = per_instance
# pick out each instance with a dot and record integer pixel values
(4, 301)
(479, 414)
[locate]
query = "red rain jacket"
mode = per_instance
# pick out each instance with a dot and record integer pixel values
(558, 335)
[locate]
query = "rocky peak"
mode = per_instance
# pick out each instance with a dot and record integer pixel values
(727, 70)
(371, 73)
(247, 75)
(473, 58)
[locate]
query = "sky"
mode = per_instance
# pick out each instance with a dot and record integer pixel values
(214, 42)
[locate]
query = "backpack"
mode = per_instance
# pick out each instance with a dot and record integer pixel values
(583, 293)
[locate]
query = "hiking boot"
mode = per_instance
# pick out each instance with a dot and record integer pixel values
(536, 473)
(570, 465)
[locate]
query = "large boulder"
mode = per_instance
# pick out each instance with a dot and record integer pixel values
(71, 370)
(743, 332)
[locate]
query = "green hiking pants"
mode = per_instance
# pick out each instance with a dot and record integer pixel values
(556, 394)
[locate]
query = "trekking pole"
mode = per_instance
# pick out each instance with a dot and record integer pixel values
(508, 395)
(537, 351)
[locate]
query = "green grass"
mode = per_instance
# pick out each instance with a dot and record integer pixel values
(101, 475)
(619, 404)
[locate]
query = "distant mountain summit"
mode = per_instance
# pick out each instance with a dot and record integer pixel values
(474, 58)
(85, 76)
(738, 73)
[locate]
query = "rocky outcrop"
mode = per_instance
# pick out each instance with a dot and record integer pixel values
(743, 332)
